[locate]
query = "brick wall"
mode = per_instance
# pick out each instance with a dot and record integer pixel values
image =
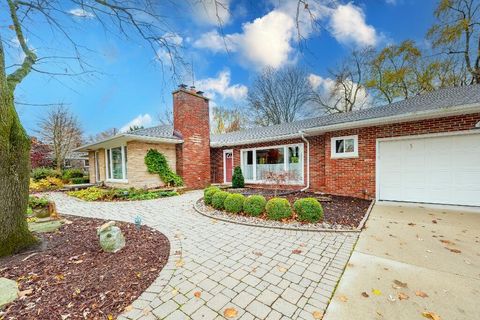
(355, 176)
(191, 120)
(137, 173)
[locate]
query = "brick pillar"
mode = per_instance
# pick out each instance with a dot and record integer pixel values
(191, 120)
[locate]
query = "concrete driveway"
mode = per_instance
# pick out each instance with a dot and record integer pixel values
(412, 260)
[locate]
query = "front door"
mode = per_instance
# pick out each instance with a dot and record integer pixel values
(228, 165)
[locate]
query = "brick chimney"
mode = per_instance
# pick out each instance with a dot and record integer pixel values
(191, 121)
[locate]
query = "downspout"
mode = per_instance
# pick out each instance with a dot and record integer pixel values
(302, 134)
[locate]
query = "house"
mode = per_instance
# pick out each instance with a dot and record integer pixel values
(77, 160)
(423, 149)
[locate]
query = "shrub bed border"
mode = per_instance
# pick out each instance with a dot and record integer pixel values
(274, 224)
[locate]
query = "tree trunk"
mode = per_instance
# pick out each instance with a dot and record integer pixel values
(14, 178)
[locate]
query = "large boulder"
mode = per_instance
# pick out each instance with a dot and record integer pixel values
(111, 237)
(8, 291)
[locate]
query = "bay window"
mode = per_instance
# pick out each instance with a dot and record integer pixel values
(116, 163)
(258, 163)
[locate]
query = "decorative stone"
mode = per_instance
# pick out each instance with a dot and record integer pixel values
(8, 291)
(111, 237)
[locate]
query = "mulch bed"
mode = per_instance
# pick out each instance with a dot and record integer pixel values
(70, 277)
(340, 210)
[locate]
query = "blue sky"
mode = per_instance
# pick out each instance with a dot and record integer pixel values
(133, 86)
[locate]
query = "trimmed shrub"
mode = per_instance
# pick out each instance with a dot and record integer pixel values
(237, 180)
(47, 184)
(208, 194)
(308, 209)
(234, 202)
(89, 194)
(72, 173)
(44, 173)
(254, 205)
(218, 199)
(278, 209)
(80, 180)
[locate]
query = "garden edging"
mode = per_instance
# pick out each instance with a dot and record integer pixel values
(356, 230)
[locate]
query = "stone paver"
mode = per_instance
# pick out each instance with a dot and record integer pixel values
(251, 269)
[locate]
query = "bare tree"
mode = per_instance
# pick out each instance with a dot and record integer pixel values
(60, 130)
(166, 118)
(103, 135)
(279, 95)
(134, 20)
(345, 90)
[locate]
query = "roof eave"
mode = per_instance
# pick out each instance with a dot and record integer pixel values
(253, 141)
(129, 137)
(406, 117)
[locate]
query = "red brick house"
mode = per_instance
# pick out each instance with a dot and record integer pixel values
(423, 149)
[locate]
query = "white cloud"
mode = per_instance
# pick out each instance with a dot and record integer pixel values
(213, 41)
(264, 42)
(142, 120)
(348, 25)
(220, 87)
(394, 2)
(81, 13)
(212, 12)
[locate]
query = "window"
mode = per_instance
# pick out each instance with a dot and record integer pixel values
(86, 163)
(67, 163)
(344, 147)
(116, 162)
(259, 162)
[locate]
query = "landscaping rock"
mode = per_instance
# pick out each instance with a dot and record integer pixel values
(111, 237)
(45, 226)
(8, 291)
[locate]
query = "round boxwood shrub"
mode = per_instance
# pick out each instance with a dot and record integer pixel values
(278, 209)
(308, 209)
(218, 199)
(254, 205)
(208, 194)
(234, 202)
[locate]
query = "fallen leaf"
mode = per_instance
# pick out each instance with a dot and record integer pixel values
(281, 269)
(434, 221)
(421, 294)
(446, 241)
(60, 277)
(350, 264)
(110, 317)
(174, 292)
(400, 284)
(343, 298)
(179, 263)
(317, 315)
(365, 295)
(403, 296)
(197, 294)
(411, 224)
(25, 293)
(230, 313)
(376, 292)
(296, 251)
(257, 253)
(454, 250)
(431, 315)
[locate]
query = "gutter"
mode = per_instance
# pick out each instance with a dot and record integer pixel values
(406, 117)
(302, 136)
(254, 141)
(126, 135)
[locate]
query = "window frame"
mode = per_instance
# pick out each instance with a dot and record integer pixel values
(109, 165)
(344, 155)
(301, 146)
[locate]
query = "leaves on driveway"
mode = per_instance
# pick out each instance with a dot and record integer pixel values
(376, 292)
(421, 294)
(197, 294)
(343, 298)
(431, 315)
(403, 296)
(230, 313)
(317, 315)
(296, 251)
(399, 284)
(365, 295)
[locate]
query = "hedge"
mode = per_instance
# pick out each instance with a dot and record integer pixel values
(278, 209)
(254, 205)
(234, 202)
(308, 209)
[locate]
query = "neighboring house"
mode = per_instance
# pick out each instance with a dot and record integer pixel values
(77, 160)
(424, 149)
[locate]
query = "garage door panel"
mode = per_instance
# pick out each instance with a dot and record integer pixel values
(444, 170)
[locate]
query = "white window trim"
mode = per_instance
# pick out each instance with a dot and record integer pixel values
(299, 182)
(225, 165)
(344, 155)
(110, 168)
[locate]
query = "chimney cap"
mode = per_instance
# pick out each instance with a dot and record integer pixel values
(182, 86)
(200, 93)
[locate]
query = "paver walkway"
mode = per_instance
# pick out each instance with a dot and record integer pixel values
(251, 269)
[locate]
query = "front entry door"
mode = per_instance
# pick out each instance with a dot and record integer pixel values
(228, 166)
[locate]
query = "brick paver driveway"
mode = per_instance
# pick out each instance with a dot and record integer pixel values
(259, 272)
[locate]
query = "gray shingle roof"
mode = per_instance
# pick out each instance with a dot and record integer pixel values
(163, 131)
(440, 99)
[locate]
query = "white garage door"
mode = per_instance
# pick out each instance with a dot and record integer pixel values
(443, 170)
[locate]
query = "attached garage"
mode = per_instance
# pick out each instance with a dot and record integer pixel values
(439, 169)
